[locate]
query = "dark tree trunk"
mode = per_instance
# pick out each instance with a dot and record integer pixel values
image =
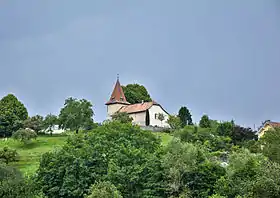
(77, 130)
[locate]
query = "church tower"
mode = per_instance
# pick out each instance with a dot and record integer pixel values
(116, 101)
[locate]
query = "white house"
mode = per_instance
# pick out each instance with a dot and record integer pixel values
(143, 114)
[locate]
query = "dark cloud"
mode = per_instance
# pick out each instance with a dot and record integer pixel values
(216, 57)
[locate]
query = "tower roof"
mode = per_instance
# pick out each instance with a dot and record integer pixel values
(117, 95)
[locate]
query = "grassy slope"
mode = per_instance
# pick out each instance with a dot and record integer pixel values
(30, 154)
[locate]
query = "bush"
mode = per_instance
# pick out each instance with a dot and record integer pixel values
(104, 190)
(13, 184)
(123, 154)
(8, 155)
(24, 135)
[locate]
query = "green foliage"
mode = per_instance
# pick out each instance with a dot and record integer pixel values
(120, 153)
(185, 116)
(205, 122)
(174, 122)
(161, 117)
(270, 142)
(135, 93)
(8, 155)
(12, 115)
(49, 122)
(104, 190)
(76, 114)
(188, 167)
(206, 137)
(13, 184)
(24, 135)
(241, 173)
(225, 129)
(35, 123)
(122, 117)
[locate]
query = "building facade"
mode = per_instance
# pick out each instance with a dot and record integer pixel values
(143, 114)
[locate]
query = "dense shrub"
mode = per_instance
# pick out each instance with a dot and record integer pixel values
(120, 153)
(24, 135)
(104, 190)
(13, 184)
(8, 155)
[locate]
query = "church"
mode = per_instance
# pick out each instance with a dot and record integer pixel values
(143, 114)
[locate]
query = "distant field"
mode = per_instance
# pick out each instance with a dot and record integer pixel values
(30, 154)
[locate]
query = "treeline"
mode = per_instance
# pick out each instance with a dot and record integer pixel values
(74, 115)
(121, 160)
(117, 159)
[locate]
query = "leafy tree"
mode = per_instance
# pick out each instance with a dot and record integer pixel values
(12, 114)
(8, 155)
(122, 117)
(104, 190)
(225, 129)
(241, 134)
(13, 184)
(135, 93)
(24, 135)
(174, 122)
(188, 168)
(35, 123)
(49, 122)
(161, 117)
(270, 142)
(205, 122)
(185, 116)
(123, 154)
(75, 114)
(241, 173)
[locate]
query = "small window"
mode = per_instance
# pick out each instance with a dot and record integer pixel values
(156, 115)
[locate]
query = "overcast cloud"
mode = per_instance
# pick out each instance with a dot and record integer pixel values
(216, 57)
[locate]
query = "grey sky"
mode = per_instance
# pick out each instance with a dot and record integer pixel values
(216, 57)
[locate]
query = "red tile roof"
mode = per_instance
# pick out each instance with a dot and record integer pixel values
(117, 95)
(139, 107)
(274, 124)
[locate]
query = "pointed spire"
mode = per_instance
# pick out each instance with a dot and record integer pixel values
(117, 95)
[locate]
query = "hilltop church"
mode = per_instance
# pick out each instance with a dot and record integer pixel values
(143, 114)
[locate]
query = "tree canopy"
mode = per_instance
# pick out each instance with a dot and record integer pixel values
(122, 117)
(12, 115)
(185, 116)
(35, 123)
(120, 153)
(135, 93)
(76, 114)
(205, 122)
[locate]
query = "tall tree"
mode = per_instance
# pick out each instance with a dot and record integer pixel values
(35, 123)
(75, 114)
(205, 122)
(12, 115)
(135, 93)
(49, 122)
(185, 116)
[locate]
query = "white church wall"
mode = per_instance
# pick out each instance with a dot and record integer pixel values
(139, 118)
(156, 109)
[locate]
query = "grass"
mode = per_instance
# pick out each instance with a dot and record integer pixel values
(165, 137)
(30, 154)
